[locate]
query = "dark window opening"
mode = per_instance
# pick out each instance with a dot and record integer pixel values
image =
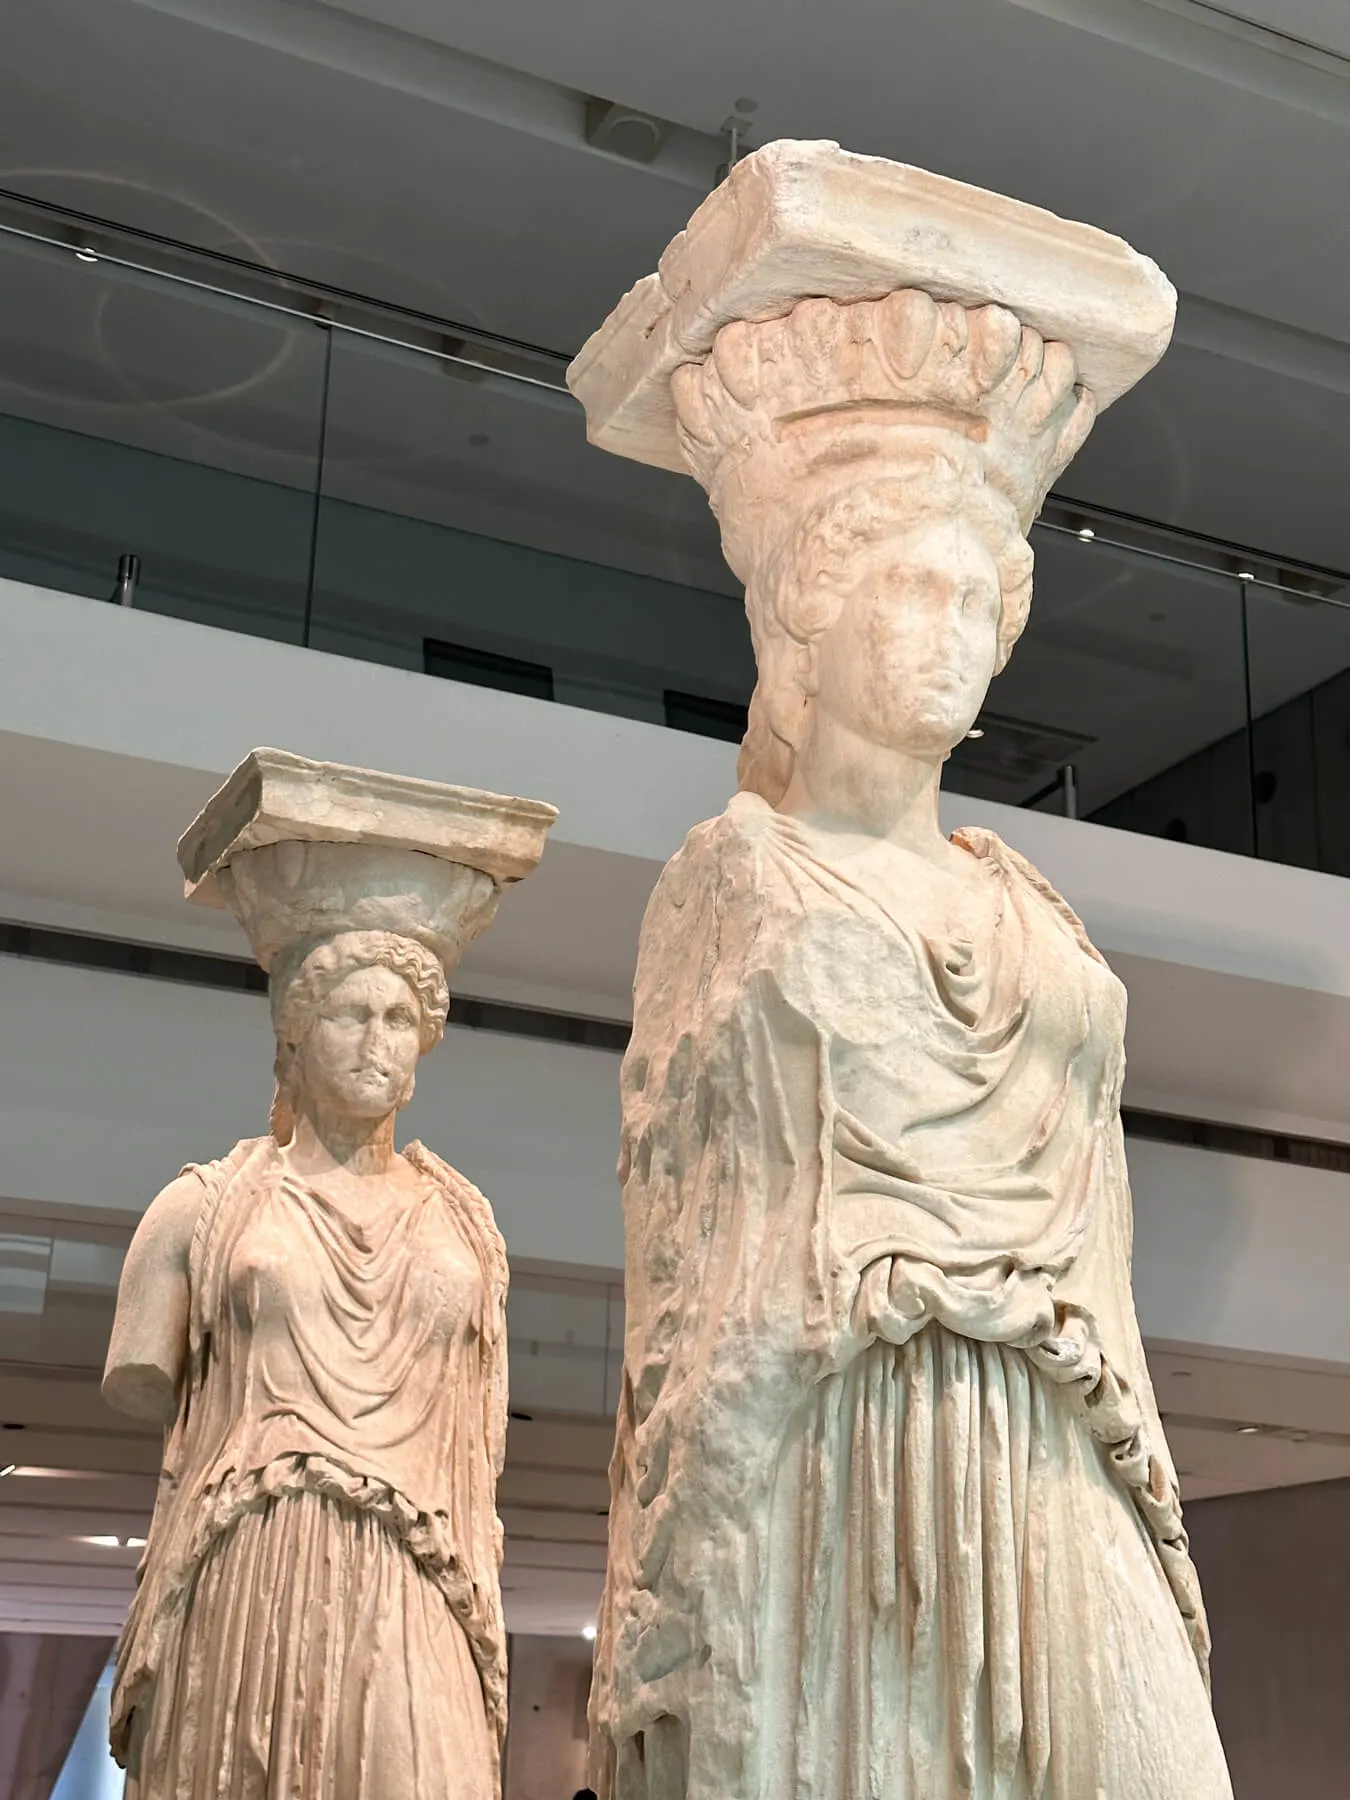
(725, 719)
(485, 668)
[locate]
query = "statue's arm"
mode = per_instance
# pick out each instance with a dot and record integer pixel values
(148, 1351)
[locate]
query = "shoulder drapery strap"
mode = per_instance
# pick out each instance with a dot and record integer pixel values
(483, 1621)
(475, 1215)
(216, 1179)
(162, 1577)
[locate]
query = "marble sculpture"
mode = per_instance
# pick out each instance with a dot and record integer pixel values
(893, 1517)
(319, 1321)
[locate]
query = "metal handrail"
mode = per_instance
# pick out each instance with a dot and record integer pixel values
(314, 303)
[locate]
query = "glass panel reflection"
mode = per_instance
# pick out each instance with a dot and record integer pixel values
(58, 1288)
(1130, 673)
(466, 528)
(1299, 661)
(146, 417)
(89, 1772)
(562, 1349)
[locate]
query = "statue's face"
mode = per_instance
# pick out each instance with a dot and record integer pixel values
(908, 661)
(359, 1055)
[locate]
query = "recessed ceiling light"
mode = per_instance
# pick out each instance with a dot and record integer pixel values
(104, 1541)
(588, 1632)
(976, 731)
(85, 254)
(135, 1543)
(1086, 533)
(1248, 1430)
(1245, 575)
(8, 1469)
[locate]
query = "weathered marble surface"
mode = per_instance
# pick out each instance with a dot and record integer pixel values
(319, 1321)
(893, 1516)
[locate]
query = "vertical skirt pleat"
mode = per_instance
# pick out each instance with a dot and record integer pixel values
(962, 1602)
(315, 1661)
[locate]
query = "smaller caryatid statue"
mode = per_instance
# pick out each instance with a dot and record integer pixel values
(319, 1321)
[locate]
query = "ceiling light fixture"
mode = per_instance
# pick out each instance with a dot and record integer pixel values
(85, 254)
(105, 1541)
(1248, 1430)
(588, 1632)
(135, 1543)
(1086, 534)
(976, 731)
(1245, 575)
(8, 1469)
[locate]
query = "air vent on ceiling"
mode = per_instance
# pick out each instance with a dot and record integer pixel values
(625, 130)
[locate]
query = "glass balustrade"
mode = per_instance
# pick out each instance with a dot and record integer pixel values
(152, 419)
(410, 494)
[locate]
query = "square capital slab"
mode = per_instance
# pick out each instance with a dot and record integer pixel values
(800, 220)
(275, 797)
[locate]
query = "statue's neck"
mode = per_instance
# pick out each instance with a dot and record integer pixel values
(843, 783)
(325, 1142)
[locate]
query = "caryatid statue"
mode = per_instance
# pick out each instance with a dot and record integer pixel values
(319, 1321)
(893, 1517)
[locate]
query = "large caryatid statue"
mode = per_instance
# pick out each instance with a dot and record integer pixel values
(893, 1517)
(319, 1320)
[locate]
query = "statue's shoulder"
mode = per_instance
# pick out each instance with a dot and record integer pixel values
(215, 1174)
(982, 842)
(720, 852)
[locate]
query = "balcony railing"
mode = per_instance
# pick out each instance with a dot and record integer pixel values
(195, 437)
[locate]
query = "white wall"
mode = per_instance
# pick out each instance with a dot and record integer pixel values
(1233, 1251)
